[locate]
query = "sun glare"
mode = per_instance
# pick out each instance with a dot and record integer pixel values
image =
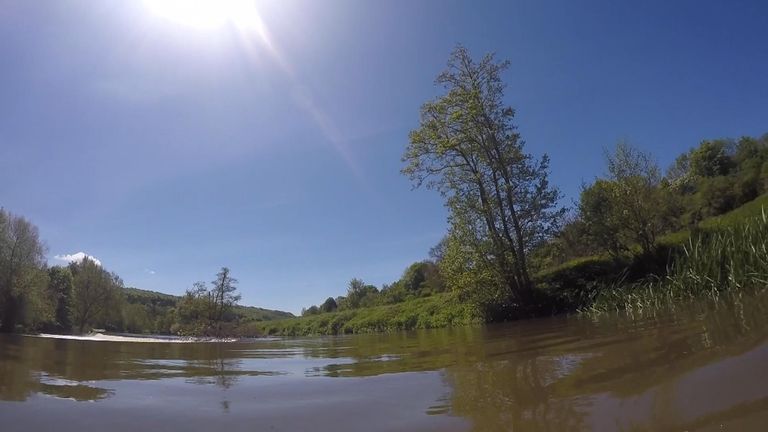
(207, 14)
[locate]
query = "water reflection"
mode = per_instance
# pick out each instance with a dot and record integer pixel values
(73, 390)
(690, 368)
(70, 368)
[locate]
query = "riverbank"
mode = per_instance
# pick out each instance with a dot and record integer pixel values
(726, 262)
(436, 311)
(724, 256)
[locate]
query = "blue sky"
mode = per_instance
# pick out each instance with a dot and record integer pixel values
(168, 150)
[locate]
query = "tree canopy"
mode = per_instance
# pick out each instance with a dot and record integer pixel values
(500, 201)
(629, 207)
(22, 278)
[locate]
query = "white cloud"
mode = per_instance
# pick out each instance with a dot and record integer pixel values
(77, 257)
(150, 271)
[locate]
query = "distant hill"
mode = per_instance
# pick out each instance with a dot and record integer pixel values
(160, 301)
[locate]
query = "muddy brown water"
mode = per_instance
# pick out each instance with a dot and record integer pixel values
(698, 367)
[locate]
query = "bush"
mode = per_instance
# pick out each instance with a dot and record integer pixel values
(717, 196)
(440, 310)
(578, 281)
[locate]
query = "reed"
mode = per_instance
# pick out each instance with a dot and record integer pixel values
(723, 262)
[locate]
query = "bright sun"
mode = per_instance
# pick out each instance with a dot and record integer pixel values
(207, 14)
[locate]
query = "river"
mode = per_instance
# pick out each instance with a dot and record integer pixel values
(699, 367)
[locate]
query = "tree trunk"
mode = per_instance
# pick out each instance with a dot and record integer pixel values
(10, 314)
(520, 241)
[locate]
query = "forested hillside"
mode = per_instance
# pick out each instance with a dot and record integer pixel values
(154, 311)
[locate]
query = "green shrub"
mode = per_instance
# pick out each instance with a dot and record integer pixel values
(749, 210)
(439, 310)
(578, 281)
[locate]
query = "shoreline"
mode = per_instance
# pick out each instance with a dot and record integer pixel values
(102, 337)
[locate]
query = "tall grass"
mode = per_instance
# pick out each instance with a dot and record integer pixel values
(726, 261)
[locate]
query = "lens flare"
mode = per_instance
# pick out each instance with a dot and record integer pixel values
(207, 14)
(244, 18)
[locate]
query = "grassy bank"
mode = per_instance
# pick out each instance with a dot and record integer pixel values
(440, 310)
(727, 261)
(723, 255)
(581, 283)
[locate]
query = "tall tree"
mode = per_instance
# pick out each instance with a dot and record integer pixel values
(421, 278)
(329, 305)
(225, 296)
(631, 206)
(96, 292)
(61, 290)
(602, 216)
(203, 311)
(21, 269)
(712, 158)
(359, 294)
(195, 311)
(466, 147)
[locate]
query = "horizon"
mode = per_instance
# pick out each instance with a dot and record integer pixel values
(167, 149)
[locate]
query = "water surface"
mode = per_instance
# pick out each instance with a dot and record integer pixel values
(695, 368)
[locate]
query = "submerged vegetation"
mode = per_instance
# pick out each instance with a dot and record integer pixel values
(639, 237)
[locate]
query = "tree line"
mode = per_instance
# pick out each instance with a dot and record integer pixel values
(34, 296)
(420, 279)
(635, 204)
(83, 295)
